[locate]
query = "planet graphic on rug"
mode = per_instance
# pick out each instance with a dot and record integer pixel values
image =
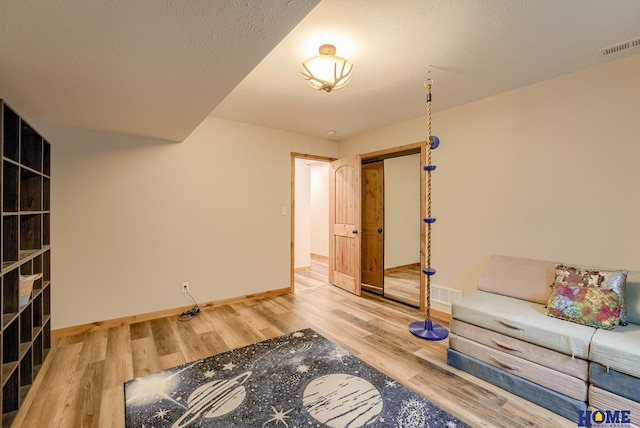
(214, 399)
(342, 400)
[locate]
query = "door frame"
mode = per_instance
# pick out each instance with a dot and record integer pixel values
(292, 211)
(410, 149)
(407, 149)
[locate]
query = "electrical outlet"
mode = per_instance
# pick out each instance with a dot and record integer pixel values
(185, 287)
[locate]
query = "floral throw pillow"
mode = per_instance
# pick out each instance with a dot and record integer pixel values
(592, 306)
(615, 280)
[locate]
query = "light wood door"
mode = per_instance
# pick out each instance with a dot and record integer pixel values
(344, 224)
(372, 265)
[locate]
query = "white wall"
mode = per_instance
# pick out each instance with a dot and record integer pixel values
(133, 217)
(402, 211)
(302, 244)
(548, 171)
(320, 208)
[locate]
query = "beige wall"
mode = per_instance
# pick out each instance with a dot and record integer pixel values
(302, 238)
(132, 218)
(312, 211)
(320, 208)
(549, 171)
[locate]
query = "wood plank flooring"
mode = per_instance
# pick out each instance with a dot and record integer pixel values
(403, 284)
(81, 381)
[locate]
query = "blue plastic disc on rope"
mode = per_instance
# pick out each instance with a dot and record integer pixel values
(428, 330)
(429, 219)
(429, 167)
(429, 271)
(435, 142)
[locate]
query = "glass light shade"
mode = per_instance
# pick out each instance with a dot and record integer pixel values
(327, 71)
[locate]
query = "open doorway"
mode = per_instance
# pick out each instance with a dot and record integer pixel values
(302, 255)
(309, 217)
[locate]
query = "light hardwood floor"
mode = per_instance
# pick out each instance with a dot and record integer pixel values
(81, 381)
(403, 284)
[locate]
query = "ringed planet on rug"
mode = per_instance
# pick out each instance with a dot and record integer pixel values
(296, 380)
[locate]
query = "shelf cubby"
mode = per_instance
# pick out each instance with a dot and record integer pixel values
(30, 234)
(30, 191)
(30, 148)
(10, 394)
(25, 231)
(26, 268)
(26, 325)
(10, 291)
(46, 194)
(36, 267)
(46, 336)
(38, 351)
(26, 368)
(46, 266)
(9, 239)
(10, 182)
(37, 312)
(46, 229)
(10, 345)
(46, 303)
(11, 133)
(46, 158)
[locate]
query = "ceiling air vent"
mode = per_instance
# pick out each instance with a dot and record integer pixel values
(629, 44)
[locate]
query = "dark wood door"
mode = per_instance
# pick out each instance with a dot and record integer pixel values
(372, 240)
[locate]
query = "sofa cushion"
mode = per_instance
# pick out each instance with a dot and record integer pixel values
(614, 381)
(526, 279)
(523, 320)
(559, 361)
(554, 401)
(618, 349)
(543, 376)
(592, 306)
(615, 280)
(605, 400)
(633, 297)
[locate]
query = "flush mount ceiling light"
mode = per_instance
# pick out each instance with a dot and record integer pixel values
(327, 71)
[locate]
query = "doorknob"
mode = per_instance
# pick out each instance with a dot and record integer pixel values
(355, 232)
(379, 230)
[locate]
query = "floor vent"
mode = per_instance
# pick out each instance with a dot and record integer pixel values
(444, 295)
(620, 47)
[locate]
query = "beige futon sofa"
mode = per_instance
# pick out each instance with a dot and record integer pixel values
(502, 334)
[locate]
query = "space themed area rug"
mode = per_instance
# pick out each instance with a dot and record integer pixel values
(297, 380)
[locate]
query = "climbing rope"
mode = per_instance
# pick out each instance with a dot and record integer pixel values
(429, 143)
(427, 329)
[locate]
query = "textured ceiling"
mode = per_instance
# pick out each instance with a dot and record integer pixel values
(144, 67)
(477, 48)
(159, 67)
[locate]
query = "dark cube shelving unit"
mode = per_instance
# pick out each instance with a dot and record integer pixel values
(25, 335)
